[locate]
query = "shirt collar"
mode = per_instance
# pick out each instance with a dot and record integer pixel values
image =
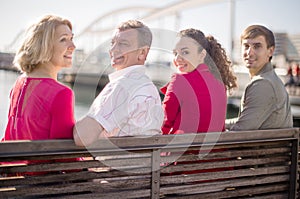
(268, 67)
(124, 71)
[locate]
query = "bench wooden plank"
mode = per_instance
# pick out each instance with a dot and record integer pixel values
(165, 180)
(263, 192)
(216, 186)
(250, 163)
(233, 153)
(63, 188)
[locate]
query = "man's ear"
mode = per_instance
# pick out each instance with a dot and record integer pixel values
(271, 51)
(143, 53)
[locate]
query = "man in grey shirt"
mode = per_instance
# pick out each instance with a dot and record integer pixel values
(265, 103)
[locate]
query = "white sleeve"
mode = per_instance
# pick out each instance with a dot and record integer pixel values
(108, 107)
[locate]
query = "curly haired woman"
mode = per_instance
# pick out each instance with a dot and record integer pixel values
(196, 97)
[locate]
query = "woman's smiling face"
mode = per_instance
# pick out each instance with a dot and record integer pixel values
(63, 47)
(186, 55)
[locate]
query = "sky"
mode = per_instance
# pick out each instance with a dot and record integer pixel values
(214, 19)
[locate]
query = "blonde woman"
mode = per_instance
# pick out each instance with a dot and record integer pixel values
(40, 106)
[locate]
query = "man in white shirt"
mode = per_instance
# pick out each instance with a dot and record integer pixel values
(129, 104)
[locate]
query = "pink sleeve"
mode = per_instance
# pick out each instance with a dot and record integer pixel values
(171, 107)
(62, 112)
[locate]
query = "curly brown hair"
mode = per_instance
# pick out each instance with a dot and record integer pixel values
(217, 56)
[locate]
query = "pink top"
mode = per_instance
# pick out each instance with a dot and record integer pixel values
(194, 102)
(40, 108)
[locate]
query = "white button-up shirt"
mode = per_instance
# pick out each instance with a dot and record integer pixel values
(129, 104)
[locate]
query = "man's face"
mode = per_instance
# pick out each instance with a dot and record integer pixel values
(124, 51)
(256, 53)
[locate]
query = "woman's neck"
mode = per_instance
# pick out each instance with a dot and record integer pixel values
(44, 71)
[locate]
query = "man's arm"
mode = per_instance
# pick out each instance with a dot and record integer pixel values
(86, 131)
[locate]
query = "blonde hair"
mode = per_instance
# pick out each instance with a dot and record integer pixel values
(37, 47)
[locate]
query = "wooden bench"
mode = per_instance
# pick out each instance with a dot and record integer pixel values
(248, 164)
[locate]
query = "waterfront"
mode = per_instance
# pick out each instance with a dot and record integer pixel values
(7, 79)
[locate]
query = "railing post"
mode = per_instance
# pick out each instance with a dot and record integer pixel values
(155, 174)
(294, 167)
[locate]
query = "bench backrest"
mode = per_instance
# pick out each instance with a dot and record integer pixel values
(260, 164)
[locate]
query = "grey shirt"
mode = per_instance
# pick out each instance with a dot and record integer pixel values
(265, 103)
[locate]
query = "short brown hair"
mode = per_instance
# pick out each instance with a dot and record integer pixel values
(257, 30)
(254, 31)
